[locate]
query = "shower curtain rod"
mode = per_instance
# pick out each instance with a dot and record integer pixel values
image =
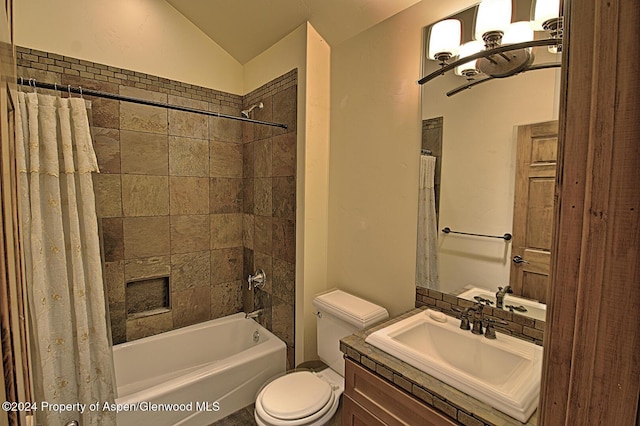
(80, 91)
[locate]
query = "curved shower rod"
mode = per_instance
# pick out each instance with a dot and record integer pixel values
(80, 91)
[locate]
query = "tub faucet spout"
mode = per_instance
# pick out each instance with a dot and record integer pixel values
(253, 314)
(502, 292)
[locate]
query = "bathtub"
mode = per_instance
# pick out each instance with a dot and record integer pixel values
(194, 375)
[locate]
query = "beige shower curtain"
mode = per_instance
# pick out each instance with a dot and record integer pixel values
(427, 260)
(71, 353)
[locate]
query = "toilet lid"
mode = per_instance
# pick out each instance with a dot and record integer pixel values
(295, 395)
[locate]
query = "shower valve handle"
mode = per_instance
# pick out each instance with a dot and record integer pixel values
(258, 280)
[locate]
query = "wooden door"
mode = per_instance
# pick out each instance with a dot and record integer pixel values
(533, 209)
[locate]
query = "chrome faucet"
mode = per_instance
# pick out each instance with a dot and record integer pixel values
(254, 314)
(502, 291)
(257, 280)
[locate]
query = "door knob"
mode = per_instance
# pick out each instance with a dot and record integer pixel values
(518, 260)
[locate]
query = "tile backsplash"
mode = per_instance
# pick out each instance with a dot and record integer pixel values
(188, 199)
(516, 325)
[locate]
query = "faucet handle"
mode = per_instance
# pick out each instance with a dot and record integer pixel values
(464, 317)
(490, 332)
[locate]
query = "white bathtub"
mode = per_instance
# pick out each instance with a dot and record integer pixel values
(195, 375)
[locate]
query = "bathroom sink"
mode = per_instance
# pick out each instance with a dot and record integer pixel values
(535, 310)
(503, 373)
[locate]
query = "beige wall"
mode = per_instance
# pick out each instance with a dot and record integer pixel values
(478, 168)
(148, 36)
(375, 138)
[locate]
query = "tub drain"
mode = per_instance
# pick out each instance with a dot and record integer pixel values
(256, 336)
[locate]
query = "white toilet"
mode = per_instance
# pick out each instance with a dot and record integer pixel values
(306, 398)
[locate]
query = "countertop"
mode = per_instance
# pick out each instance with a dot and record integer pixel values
(466, 409)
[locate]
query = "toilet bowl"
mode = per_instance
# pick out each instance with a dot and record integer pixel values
(308, 397)
(313, 402)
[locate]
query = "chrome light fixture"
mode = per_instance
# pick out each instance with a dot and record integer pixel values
(501, 48)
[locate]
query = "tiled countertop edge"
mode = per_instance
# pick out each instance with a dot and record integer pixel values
(465, 409)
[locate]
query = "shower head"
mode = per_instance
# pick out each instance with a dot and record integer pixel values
(245, 113)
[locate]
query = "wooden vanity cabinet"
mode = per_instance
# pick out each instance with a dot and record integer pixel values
(369, 400)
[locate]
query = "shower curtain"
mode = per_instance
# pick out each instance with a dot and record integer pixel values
(427, 260)
(71, 352)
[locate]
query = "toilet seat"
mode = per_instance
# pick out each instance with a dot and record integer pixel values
(299, 398)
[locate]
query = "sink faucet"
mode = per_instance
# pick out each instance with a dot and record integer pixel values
(502, 291)
(478, 318)
(253, 314)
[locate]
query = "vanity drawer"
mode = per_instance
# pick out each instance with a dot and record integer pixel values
(386, 402)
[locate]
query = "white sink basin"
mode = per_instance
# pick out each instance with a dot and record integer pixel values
(503, 373)
(535, 310)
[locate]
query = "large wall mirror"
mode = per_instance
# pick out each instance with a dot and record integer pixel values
(495, 140)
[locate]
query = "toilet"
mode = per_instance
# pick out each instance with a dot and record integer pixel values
(311, 398)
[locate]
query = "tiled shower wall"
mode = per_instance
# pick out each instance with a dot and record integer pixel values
(187, 204)
(269, 194)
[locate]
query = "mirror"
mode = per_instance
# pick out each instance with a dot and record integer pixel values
(476, 173)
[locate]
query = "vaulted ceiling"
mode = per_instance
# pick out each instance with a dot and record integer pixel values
(245, 28)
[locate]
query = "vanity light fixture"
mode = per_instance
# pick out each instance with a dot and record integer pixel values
(505, 49)
(444, 40)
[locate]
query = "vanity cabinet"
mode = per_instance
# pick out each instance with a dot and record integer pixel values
(370, 400)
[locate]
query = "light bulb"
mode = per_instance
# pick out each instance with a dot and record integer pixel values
(545, 10)
(493, 15)
(518, 32)
(444, 38)
(469, 69)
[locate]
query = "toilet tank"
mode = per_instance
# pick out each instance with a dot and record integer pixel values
(340, 314)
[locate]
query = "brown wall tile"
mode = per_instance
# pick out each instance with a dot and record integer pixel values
(189, 195)
(146, 236)
(284, 240)
(106, 143)
(225, 130)
(248, 190)
(190, 233)
(285, 110)
(262, 234)
(155, 266)
(262, 196)
(284, 197)
(149, 326)
(108, 190)
(112, 239)
(143, 118)
(189, 270)
(226, 159)
(284, 154)
(248, 150)
(191, 306)
(188, 157)
(262, 165)
(282, 316)
(114, 281)
(225, 195)
(247, 230)
(264, 114)
(284, 280)
(186, 123)
(226, 265)
(144, 153)
(226, 299)
(226, 230)
(145, 195)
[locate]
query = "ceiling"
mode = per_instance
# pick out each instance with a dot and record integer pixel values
(246, 28)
